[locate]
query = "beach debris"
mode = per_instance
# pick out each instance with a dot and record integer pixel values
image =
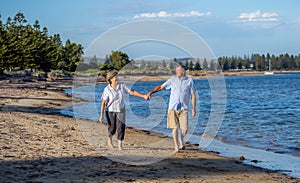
(255, 161)
(242, 158)
(215, 152)
(43, 86)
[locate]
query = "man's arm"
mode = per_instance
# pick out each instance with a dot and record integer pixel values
(193, 104)
(157, 89)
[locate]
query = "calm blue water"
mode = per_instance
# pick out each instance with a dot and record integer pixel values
(262, 112)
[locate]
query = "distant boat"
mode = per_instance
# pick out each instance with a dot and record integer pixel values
(270, 72)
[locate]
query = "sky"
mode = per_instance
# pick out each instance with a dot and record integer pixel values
(230, 27)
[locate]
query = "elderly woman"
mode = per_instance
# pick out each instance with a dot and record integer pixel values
(114, 107)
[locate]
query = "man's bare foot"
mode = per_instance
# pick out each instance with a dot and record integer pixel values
(182, 148)
(176, 150)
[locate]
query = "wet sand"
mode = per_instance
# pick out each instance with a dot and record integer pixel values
(38, 144)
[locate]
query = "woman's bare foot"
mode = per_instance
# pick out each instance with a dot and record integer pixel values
(120, 145)
(109, 143)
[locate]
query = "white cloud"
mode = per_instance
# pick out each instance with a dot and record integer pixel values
(165, 14)
(258, 17)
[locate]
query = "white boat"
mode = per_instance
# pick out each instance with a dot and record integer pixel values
(270, 72)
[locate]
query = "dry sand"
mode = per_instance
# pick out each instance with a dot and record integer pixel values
(38, 144)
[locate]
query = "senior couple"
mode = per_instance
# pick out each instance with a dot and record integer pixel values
(182, 90)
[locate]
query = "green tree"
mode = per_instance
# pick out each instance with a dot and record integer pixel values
(58, 53)
(119, 59)
(240, 65)
(263, 62)
(212, 65)
(278, 63)
(186, 65)
(73, 54)
(290, 61)
(197, 65)
(3, 46)
(247, 63)
(14, 49)
(164, 64)
(107, 60)
(233, 64)
(191, 65)
(273, 61)
(221, 62)
(297, 61)
(172, 64)
(257, 61)
(226, 66)
(205, 64)
(285, 61)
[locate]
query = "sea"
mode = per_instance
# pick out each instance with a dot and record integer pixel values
(259, 118)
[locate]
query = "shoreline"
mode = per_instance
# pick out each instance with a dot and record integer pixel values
(153, 77)
(38, 143)
(92, 78)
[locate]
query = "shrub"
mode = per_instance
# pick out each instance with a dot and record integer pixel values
(54, 74)
(1, 72)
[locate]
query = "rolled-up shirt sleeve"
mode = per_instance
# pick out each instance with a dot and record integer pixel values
(167, 84)
(104, 95)
(193, 88)
(125, 89)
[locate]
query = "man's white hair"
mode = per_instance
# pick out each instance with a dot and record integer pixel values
(182, 67)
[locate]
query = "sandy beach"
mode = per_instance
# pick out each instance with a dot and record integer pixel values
(38, 144)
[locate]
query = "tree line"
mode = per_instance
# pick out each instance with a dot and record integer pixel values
(255, 62)
(25, 46)
(260, 62)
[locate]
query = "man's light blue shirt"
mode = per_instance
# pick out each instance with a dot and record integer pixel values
(181, 90)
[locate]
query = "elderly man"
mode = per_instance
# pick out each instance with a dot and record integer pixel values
(182, 89)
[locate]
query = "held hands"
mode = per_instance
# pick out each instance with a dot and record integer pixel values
(147, 96)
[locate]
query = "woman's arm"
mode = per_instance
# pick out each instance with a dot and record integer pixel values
(102, 111)
(137, 94)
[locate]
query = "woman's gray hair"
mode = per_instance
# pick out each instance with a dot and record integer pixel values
(110, 75)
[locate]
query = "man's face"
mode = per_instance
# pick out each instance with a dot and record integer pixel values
(179, 72)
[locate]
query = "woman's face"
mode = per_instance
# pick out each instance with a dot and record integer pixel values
(114, 79)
